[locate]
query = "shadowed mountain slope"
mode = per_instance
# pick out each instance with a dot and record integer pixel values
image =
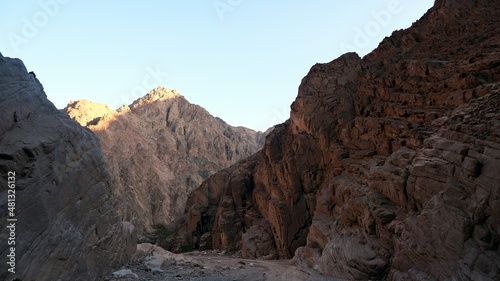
(54, 183)
(159, 149)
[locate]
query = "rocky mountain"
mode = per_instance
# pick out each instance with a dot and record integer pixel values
(159, 149)
(388, 167)
(58, 217)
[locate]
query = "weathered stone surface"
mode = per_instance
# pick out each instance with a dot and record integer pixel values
(388, 166)
(125, 273)
(258, 242)
(67, 227)
(159, 149)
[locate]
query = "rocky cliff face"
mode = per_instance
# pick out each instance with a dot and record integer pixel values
(67, 227)
(159, 149)
(388, 165)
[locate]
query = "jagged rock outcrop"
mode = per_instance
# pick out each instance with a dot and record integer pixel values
(67, 227)
(386, 169)
(159, 149)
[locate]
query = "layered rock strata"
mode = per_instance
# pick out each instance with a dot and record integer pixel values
(388, 165)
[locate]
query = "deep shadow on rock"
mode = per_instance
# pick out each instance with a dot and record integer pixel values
(67, 227)
(159, 149)
(386, 169)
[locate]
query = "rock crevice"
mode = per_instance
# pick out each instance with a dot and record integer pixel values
(387, 167)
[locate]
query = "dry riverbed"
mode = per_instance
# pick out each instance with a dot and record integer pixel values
(152, 263)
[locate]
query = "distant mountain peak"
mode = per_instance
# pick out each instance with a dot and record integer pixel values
(176, 143)
(86, 111)
(157, 94)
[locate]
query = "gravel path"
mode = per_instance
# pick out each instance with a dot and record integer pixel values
(209, 266)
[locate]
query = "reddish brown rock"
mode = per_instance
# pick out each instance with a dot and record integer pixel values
(159, 149)
(388, 166)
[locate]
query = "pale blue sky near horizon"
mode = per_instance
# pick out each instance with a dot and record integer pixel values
(241, 60)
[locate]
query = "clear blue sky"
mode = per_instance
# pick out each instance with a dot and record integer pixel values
(242, 60)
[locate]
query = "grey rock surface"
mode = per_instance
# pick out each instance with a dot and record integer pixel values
(67, 227)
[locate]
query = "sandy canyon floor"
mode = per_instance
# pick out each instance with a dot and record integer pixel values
(211, 266)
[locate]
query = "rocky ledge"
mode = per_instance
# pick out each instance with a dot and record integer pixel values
(386, 169)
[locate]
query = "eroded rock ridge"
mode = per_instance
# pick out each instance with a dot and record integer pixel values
(159, 149)
(388, 165)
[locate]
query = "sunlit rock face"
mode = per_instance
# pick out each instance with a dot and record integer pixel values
(159, 149)
(388, 165)
(66, 226)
